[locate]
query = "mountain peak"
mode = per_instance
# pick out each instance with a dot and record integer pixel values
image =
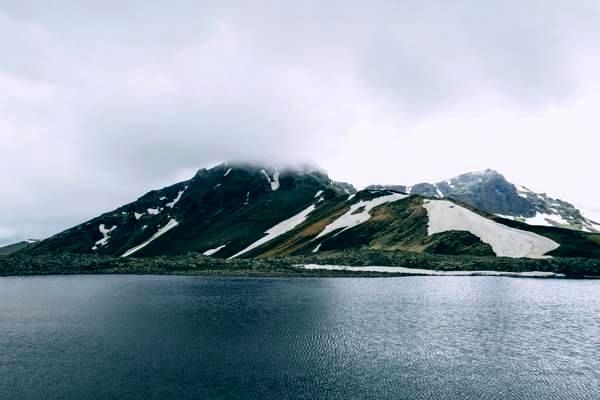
(490, 191)
(482, 173)
(489, 171)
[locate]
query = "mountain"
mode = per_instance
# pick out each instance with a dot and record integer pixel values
(239, 210)
(231, 203)
(13, 248)
(490, 191)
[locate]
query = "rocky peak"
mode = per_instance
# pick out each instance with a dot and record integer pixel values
(490, 191)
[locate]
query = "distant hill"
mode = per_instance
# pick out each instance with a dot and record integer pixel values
(13, 248)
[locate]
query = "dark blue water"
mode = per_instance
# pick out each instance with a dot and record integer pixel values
(145, 337)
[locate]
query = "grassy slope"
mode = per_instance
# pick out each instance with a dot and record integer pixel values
(401, 225)
(302, 239)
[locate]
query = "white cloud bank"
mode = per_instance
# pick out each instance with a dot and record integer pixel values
(94, 95)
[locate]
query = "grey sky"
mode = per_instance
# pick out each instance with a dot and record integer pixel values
(102, 101)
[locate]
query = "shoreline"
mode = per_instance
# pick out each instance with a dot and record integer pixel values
(331, 264)
(302, 273)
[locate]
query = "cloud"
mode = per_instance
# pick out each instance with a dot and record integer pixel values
(104, 101)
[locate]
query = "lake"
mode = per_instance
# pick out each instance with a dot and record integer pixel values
(170, 337)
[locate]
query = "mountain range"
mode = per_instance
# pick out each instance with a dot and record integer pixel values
(239, 210)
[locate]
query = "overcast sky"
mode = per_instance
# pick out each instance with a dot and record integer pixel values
(101, 101)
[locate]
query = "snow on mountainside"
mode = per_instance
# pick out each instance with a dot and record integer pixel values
(505, 241)
(489, 191)
(242, 210)
(384, 220)
(279, 229)
(358, 214)
(161, 231)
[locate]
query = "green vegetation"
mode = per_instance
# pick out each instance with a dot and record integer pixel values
(13, 248)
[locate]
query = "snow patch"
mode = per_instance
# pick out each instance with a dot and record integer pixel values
(351, 197)
(210, 252)
(275, 184)
(154, 211)
(316, 249)
(162, 198)
(274, 181)
(279, 229)
(446, 216)
(228, 171)
(138, 215)
(105, 236)
(354, 217)
(170, 225)
(320, 192)
(176, 199)
(429, 272)
(546, 219)
(438, 192)
(247, 199)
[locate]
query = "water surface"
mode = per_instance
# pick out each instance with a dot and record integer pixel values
(161, 337)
